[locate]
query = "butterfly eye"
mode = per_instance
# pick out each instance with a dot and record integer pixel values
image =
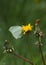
(16, 31)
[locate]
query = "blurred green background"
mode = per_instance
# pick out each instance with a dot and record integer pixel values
(18, 12)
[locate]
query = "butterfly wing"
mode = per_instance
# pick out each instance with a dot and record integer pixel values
(16, 31)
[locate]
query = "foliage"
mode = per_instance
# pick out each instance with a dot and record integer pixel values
(19, 12)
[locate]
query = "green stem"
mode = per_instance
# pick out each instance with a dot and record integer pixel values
(40, 49)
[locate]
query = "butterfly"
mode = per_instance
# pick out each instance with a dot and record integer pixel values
(16, 31)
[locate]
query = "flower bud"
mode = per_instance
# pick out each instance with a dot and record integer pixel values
(41, 33)
(37, 22)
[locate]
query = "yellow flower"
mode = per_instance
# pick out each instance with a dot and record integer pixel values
(27, 28)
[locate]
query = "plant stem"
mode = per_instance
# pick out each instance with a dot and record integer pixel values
(40, 49)
(11, 51)
(23, 58)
